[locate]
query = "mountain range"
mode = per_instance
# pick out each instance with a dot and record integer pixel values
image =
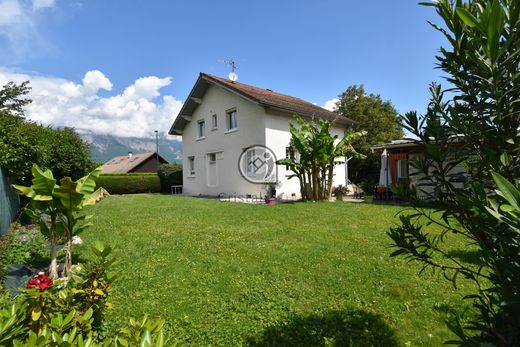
(105, 147)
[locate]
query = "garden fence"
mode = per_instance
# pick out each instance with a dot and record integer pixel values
(9, 202)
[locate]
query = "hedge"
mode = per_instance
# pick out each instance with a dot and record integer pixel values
(129, 183)
(170, 175)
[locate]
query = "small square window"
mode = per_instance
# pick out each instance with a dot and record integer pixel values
(201, 129)
(231, 120)
(191, 165)
(214, 123)
(212, 158)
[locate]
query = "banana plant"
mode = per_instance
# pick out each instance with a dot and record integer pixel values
(58, 208)
(44, 209)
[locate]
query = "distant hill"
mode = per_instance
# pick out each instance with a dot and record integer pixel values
(105, 147)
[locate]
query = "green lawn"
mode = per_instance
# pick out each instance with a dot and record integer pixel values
(291, 274)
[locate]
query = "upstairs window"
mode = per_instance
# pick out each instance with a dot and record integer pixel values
(201, 129)
(231, 120)
(214, 123)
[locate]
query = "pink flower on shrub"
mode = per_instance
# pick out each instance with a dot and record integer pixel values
(40, 282)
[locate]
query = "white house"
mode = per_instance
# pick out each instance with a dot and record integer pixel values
(232, 133)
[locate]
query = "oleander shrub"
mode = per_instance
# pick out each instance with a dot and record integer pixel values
(132, 183)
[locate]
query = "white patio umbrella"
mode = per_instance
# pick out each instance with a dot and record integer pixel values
(385, 177)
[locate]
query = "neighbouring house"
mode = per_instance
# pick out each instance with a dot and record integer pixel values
(400, 154)
(232, 133)
(140, 162)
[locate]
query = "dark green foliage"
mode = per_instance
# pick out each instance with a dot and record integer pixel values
(170, 175)
(24, 143)
(11, 98)
(129, 183)
(376, 116)
(477, 129)
(69, 155)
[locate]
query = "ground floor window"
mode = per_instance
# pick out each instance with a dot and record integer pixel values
(290, 153)
(191, 165)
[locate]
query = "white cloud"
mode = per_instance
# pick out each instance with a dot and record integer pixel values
(95, 80)
(10, 12)
(39, 4)
(331, 104)
(137, 111)
(19, 28)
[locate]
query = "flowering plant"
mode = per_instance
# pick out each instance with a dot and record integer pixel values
(41, 282)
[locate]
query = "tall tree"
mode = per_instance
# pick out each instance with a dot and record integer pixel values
(12, 98)
(475, 125)
(378, 118)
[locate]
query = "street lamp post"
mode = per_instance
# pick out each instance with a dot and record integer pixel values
(157, 147)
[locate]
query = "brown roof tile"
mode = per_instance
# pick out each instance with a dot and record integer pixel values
(124, 163)
(267, 97)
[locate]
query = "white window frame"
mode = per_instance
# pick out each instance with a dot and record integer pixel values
(201, 129)
(212, 158)
(191, 165)
(231, 120)
(290, 153)
(214, 122)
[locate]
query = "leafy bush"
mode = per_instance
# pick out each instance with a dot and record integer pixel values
(23, 245)
(67, 312)
(477, 129)
(129, 183)
(170, 175)
(24, 143)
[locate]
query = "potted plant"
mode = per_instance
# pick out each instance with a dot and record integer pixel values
(340, 191)
(270, 197)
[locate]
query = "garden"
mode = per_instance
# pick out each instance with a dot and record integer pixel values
(291, 274)
(155, 270)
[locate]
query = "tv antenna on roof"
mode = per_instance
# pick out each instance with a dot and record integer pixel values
(232, 75)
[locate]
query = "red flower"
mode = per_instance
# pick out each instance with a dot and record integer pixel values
(41, 282)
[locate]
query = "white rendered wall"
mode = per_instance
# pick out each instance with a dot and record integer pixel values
(250, 124)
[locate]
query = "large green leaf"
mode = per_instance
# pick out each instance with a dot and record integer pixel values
(68, 196)
(87, 184)
(23, 190)
(507, 190)
(43, 183)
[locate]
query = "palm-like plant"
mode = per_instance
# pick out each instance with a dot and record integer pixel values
(318, 151)
(57, 209)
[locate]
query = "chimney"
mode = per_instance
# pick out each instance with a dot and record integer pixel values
(130, 154)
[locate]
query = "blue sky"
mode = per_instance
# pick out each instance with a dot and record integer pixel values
(310, 49)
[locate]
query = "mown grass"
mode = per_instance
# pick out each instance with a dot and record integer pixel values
(233, 274)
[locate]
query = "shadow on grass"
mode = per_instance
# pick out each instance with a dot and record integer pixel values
(334, 328)
(467, 256)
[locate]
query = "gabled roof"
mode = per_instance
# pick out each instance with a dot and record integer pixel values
(260, 96)
(125, 163)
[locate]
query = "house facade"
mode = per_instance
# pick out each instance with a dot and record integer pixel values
(232, 134)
